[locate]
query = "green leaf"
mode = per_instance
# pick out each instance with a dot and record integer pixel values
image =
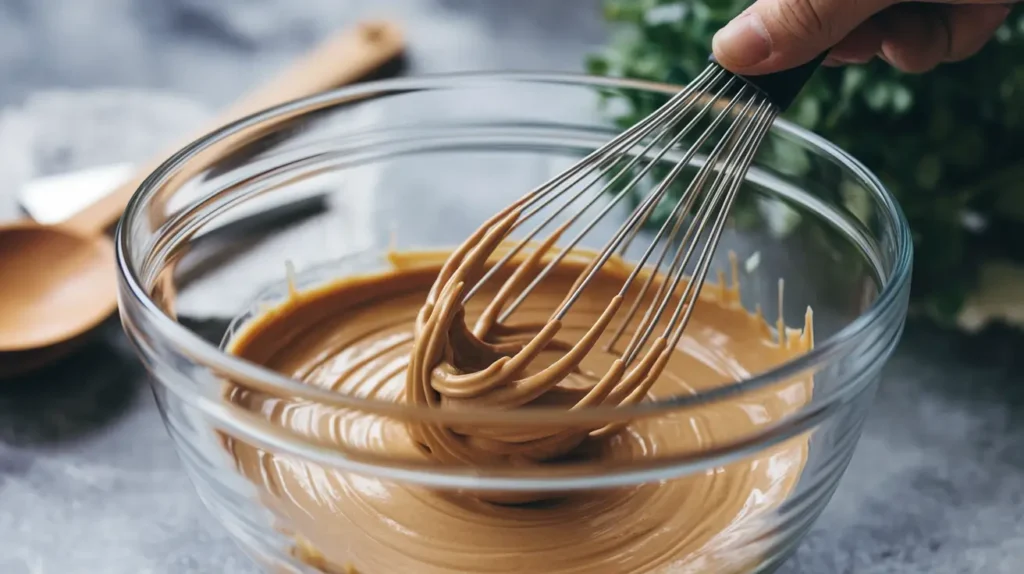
(597, 65)
(667, 13)
(790, 158)
(853, 79)
(623, 11)
(878, 96)
(701, 13)
(902, 99)
(649, 66)
(808, 112)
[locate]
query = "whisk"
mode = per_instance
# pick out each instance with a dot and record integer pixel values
(454, 364)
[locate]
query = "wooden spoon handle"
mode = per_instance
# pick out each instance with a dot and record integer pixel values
(341, 60)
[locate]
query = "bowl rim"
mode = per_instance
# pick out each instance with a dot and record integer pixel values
(239, 369)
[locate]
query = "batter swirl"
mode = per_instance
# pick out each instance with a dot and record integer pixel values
(373, 336)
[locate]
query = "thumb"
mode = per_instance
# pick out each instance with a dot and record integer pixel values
(774, 35)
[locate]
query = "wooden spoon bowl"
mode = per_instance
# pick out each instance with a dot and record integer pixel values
(57, 284)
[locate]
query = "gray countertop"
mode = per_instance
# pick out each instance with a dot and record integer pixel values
(90, 482)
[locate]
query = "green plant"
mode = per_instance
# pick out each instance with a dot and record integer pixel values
(949, 144)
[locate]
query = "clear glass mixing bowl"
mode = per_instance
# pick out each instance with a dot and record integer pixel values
(321, 188)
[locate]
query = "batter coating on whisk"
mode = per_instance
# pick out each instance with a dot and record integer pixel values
(359, 337)
(520, 362)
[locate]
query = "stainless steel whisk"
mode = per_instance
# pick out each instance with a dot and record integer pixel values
(730, 114)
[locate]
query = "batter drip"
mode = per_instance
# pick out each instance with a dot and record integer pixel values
(372, 336)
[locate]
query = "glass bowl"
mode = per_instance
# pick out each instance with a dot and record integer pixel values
(302, 194)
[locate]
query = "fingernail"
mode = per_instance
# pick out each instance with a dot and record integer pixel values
(743, 42)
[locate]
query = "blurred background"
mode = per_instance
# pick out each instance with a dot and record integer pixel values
(210, 51)
(98, 81)
(85, 462)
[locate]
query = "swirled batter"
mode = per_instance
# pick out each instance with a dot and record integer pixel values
(360, 335)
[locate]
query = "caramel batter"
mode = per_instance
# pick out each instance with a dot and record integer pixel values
(360, 336)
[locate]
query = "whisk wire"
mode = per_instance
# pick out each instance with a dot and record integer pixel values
(636, 152)
(636, 219)
(640, 214)
(753, 134)
(689, 241)
(604, 159)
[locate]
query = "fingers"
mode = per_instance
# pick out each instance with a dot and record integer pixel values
(912, 35)
(860, 46)
(776, 34)
(919, 37)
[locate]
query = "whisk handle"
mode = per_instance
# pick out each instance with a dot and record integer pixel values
(783, 87)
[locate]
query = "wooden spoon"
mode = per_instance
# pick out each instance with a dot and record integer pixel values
(58, 282)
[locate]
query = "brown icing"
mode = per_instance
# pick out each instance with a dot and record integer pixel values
(359, 335)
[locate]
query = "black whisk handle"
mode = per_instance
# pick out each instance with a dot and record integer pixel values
(783, 87)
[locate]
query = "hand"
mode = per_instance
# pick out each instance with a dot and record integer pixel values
(911, 35)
